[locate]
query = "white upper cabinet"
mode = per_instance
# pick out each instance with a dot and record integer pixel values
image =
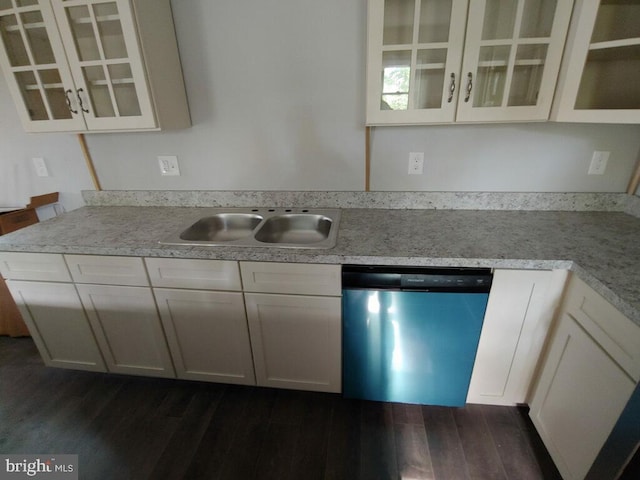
(442, 61)
(599, 78)
(92, 65)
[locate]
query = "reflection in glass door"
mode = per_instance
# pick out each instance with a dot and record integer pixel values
(102, 51)
(101, 41)
(415, 38)
(30, 62)
(512, 56)
(418, 56)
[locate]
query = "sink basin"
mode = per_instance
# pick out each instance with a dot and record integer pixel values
(303, 228)
(222, 227)
(260, 227)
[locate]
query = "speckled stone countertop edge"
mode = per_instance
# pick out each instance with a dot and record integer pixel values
(517, 240)
(541, 201)
(314, 256)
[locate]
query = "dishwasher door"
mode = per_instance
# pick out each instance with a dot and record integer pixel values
(410, 346)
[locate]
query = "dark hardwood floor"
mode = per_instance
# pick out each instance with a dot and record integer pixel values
(126, 427)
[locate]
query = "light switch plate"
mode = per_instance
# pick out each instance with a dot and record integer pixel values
(40, 167)
(416, 163)
(598, 163)
(169, 165)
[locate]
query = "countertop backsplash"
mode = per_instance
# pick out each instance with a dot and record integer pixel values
(577, 202)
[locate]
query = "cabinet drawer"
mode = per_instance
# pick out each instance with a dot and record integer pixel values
(617, 335)
(107, 270)
(198, 274)
(34, 266)
(296, 278)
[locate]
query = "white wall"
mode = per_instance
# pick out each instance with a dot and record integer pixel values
(543, 157)
(64, 160)
(276, 91)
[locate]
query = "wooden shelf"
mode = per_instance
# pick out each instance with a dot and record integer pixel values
(27, 26)
(101, 18)
(626, 42)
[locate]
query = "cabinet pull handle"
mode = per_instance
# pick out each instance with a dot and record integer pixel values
(79, 91)
(66, 95)
(469, 87)
(452, 87)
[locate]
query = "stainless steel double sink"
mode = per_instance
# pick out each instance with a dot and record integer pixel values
(260, 227)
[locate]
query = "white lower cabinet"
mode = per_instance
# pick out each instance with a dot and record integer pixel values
(588, 375)
(207, 334)
(58, 325)
(128, 329)
(202, 311)
(294, 312)
(519, 313)
(296, 341)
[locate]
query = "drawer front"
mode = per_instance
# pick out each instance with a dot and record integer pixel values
(34, 266)
(295, 278)
(196, 274)
(618, 335)
(128, 271)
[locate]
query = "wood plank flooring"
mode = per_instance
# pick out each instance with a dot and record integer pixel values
(125, 427)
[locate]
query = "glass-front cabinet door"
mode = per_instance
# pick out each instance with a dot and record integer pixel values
(100, 39)
(35, 68)
(600, 81)
(439, 61)
(512, 58)
(414, 55)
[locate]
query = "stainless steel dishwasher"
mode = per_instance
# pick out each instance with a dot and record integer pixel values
(410, 335)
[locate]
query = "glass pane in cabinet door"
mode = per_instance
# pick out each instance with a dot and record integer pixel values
(98, 86)
(527, 75)
(608, 79)
(398, 22)
(12, 40)
(38, 38)
(83, 33)
(617, 20)
(5, 4)
(124, 90)
(490, 79)
(435, 18)
(110, 30)
(26, 3)
(54, 91)
(31, 95)
(430, 77)
(537, 18)
(396, 73)
(499, 19)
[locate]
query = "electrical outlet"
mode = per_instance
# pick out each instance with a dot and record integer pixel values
(169, 165)
(416, 163)
(598, 163)
(40, 166)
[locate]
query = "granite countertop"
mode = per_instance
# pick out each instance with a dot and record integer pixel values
(603, 248)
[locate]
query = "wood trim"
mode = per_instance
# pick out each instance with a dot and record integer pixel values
(42, 200)
(635, 179)
(89, 161)
(367, 159)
